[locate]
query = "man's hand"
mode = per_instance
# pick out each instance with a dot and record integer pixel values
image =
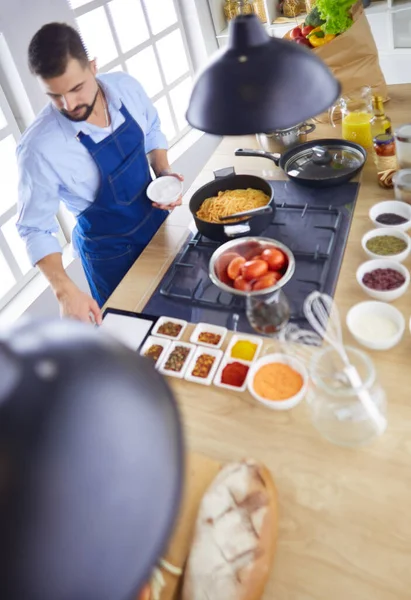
(76, 304)
(178, 202)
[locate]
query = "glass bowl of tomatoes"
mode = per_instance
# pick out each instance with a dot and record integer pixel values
(256, 268)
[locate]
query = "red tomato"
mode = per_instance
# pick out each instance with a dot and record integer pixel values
(306, 30)
(253, 269)
(296, 33)
(275, 258)
(234, 268)
(222, 264)
(242, 284)
(256, 257)
(267, 280)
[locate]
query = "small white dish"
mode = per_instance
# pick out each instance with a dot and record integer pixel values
(376, 310)
(383, 263)
(286, 360)
(165, 190)
(207, 328)
(162, 321)
(179, 374)
(249, 338)
(401, 235)
(151, 341)
(217, 379)
(217, 354)
(392, 206)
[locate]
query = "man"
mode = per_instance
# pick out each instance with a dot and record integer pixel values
(90, 147)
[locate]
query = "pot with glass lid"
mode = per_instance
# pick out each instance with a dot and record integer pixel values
(319, 163)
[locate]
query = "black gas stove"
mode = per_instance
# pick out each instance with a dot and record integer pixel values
(313, 223)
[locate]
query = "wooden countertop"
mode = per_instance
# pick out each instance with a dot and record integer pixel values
(344, 526)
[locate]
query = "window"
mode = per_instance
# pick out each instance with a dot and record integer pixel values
(15, 267)
(146, 39)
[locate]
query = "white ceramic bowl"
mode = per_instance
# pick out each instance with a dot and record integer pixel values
(217, 354)
(284, 359)
(375, 309)
(151, 341)
(217, 379)
(401, 256)
(165, 190)
(383, 263)
(207, 328)
(162, 321)
(258, 341)
(163, 360)
(392, 206)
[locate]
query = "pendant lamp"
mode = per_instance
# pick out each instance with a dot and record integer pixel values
(91, 465)
(259, 84)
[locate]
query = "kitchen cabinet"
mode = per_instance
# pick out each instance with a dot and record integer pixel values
(390, 22)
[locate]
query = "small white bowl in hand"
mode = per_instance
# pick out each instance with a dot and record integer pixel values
(375, 309)
(401, 235)
(383, 263)
(286, 360)
(396, 207)
(165, 190)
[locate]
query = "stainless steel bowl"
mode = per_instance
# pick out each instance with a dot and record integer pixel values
(246, 246)
(284, 139)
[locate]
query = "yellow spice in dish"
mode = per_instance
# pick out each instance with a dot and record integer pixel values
(244, 350)
(277, 381)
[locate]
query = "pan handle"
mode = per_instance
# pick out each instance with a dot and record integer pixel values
(224, 172)
(275, 157)
(255, 212)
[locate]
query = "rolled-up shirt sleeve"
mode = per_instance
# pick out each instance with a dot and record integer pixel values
(38, 203)
(154, 137)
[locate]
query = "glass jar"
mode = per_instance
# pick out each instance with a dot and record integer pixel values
(237, 7)
(336, 410)
(268, 313)
(402, 185)
(259, 10)
(385, 159)
(403, 143)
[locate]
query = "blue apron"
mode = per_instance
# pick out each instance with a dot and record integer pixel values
(113, 231)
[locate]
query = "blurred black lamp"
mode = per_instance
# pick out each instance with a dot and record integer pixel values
(91, 464)
(259, 84)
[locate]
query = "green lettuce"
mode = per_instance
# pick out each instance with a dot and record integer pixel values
(336, 14)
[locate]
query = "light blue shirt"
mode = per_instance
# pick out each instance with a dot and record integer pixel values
(54, 166)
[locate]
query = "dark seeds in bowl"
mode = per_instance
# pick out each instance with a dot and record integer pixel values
(383, 280)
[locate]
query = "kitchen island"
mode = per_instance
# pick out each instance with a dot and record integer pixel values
(344, 528)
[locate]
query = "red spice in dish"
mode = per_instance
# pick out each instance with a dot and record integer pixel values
(234, 374)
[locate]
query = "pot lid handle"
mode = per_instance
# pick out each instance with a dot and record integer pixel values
(321, 156)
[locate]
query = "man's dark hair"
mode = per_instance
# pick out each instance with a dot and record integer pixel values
(52, 47)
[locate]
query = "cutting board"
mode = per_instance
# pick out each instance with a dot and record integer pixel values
(200, 472)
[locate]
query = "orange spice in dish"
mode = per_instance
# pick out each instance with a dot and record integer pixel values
(277, 381)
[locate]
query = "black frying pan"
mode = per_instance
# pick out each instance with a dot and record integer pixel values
(321, 169)
(253, 226)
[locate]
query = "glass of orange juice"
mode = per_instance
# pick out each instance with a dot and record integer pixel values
(356, 114)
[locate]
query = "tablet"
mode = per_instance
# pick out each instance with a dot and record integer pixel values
(129, 328)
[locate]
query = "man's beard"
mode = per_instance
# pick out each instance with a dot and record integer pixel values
(88, 110)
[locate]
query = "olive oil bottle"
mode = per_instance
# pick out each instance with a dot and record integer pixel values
(380, 123)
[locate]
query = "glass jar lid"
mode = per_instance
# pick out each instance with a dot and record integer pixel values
(324, 162)
(403, 133)
(402, 179)
(383, 139)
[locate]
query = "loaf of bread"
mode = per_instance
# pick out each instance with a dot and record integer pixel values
(235, 536)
